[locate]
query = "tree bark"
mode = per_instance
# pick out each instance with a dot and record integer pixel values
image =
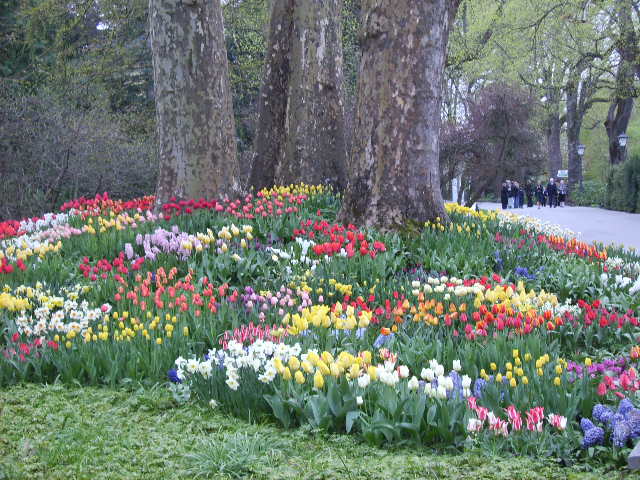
(620, 110)
(301, 132)
(394, 172)
(574, 125)
(554, 151)
(196, 129)
(272, 105)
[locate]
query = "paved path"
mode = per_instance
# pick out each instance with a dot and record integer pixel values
(590, 224)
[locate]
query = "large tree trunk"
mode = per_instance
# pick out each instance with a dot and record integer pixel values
(620, 110)
(574, 125)
(272, 104)
(554, 151)
(196, 129)
(394, 172)
(301, 132)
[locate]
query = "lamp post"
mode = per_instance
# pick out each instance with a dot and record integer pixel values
(580, 150)
(623, 138)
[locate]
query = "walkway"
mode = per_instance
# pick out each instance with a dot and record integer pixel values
(590, 224)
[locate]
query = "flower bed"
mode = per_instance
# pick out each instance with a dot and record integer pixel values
(489, 331)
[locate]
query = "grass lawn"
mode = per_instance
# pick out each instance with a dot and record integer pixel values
(60, 432)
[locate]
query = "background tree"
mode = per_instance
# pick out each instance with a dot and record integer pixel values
(498, 140)
(300, 134)
(196, 129)
(394, 171)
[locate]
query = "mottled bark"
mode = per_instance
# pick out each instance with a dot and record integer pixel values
(574, 125)
(620, 110)
(300, 134)
(394, 171)
(554, 151)
(272, 105)
(196, 129)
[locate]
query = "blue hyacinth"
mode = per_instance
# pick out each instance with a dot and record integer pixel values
(173, 376)
(602, 414)
(625, 406)
(592, 436)
(382, 339)
(633, 419)
(615, 419)
(586, 425)
(621, 434)
(478, 386)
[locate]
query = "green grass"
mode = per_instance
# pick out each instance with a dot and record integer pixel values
(60, 432)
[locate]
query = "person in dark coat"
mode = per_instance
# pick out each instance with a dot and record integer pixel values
(552, 193)
(530, 193)
(504, 196)
(516, 194)
(540, 195)
(520, 196)
(510, 194)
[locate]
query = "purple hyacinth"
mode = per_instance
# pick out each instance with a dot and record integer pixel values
(478, 386)
(621, 434)
(625, 406)
(173, 376)
(586, 425)
(592, 436)
(633, 419)
(602, 414)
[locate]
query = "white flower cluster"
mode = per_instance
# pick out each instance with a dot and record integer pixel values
(48, 220)
(59, 314)
(438, 384)
(535, 224)
(294, 258)
(439, 285)
(562, 308)
(258, 356)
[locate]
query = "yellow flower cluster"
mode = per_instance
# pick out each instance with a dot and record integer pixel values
(516, 369)
(483, 215)
(118, 222)
(244, 233)
(322, 316)
(297, 189)
(23, 251)
(325, 364)
(23, 297)
(122, 327)
(520, 299)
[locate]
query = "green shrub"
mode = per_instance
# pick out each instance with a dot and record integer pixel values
(623, 186)
(593, 194)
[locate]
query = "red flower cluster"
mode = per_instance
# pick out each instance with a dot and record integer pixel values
(160, 289)
(25, 350)
(247, 208)
(332, 239)
(7, 268)
(10, 228)
(596, 312)
(102, 204)
(103, 267)
(627, 382)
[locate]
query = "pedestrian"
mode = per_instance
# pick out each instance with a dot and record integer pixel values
(520, 196)
(530, 194)
(504, 196)
(562, 193)
(516, 195)
(540, 195)
(510, 195)
(552, 193)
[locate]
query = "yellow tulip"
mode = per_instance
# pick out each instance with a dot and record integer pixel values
(299, 377)
(318, 380)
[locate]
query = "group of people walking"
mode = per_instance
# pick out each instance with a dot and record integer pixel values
(553, 194)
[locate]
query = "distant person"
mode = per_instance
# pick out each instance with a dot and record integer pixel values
(530, 194)
(504, 196)
(516, 195)
(562, 193)
(520, 196)
(540, 195)
(510, 195)
(552, 193)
